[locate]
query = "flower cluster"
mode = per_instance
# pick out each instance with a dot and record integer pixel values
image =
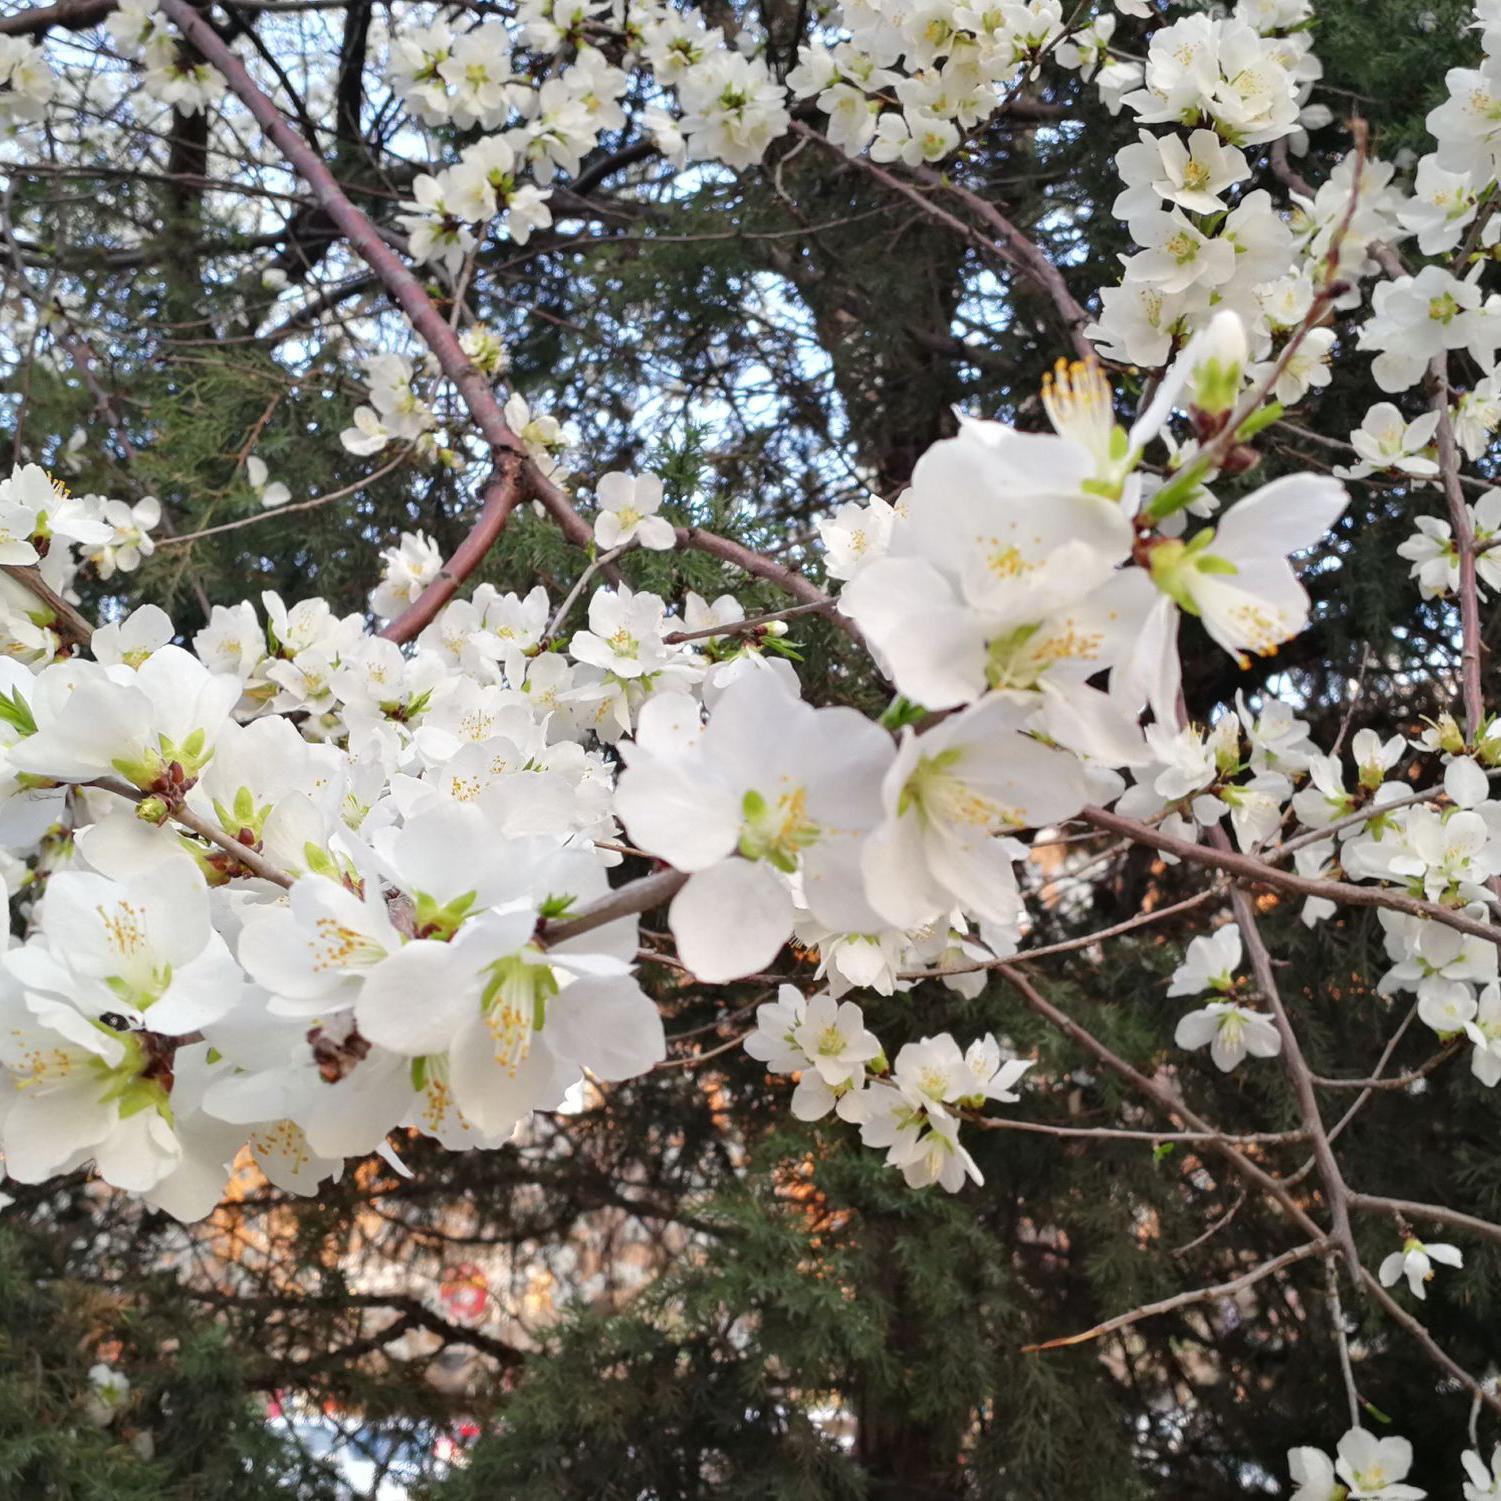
(173, 75)
(44, 525)
(395, 410)
(235, 865)
(1230, 1029)
(1208, 240)
(912, 1107)
(1366, 1468)
(26, 82)
(482, 188)
(278, 838)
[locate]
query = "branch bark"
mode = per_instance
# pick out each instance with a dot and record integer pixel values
(625, 901)
(1464, 544)
(73, 15)
(500, 497)
(72, 624)
(1336, 1194)
(1247, 868)
(1411, 1209)
(253, 862)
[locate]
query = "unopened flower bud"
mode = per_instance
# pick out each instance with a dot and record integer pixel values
(1216, 359)
(1241, 459)
(153, 810)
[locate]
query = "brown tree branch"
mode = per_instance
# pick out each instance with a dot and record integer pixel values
(1463, 530)
(1336, 1194)
(1250, 1171)
(625, 901)
(73, 15)
(501, 495)
(514, 477)
(253, 862)
(1248, 868)
(1411, 1209)
(72, 624)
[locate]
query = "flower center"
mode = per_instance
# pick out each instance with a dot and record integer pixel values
(777, 832)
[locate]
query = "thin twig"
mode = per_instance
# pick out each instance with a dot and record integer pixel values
(1430, 1346)
(1119, 1133)
(1214, 1229)
(753, 623)
(1341, 1340)
(694, 1059)
(1412, 1209)
(1375, 1080)
(253, 861)
(1463, 530)
(1186, 1300)
(1295, 1065)
(1399, 1081)
(1247, 868)
(1249, 1170)
(602, 561)
(1014, 247)
(1070, 945)
(287, 510)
